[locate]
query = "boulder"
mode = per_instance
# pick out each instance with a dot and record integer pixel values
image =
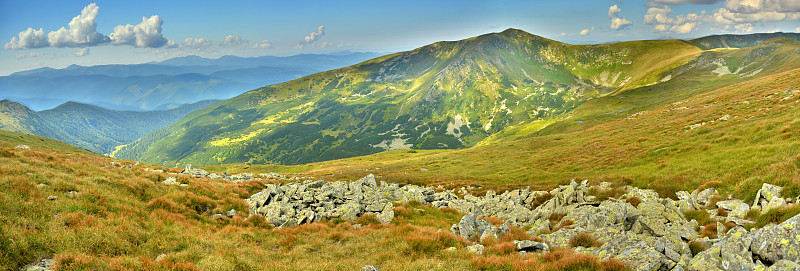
(784, 265)
(778, 242)
(23, 147)
(171, 181)
(370, 268)
(765, 195)
(476, 249)
(642, 257)
(531, 246)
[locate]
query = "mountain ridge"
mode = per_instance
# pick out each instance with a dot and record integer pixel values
(449, 94)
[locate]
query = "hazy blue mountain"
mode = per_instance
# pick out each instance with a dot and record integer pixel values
(165, 84)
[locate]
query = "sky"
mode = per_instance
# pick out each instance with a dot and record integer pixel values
(60, 33)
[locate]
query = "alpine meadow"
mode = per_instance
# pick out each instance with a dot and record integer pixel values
(446, 135)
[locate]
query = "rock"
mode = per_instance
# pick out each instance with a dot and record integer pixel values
(172, 181)
(476, 249)
(23, 147)
(196, 172)
(765, 195)
(72, 194)
(52, 198)
(703, 198)
(40, 265)
(41, 185)
(386, 216)
(531, 246)
(467, 227)
(230, 213)
(784, 265)
(642, 257)
(217, 217)
(778, 242)
(370, 268)
(774, 203)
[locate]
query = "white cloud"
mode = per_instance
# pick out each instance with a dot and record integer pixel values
(314, 36)
(586, 31)
(171, 44)
(196, 43)
(563, 34)
(264, 44)
(616, 21)
(146, 34)
(31, 54)
(737, 14)
(82, 52)
(797, 29)
(232, 40)
(28, 39)
(661, 19)
(81, 31)
(748, 27)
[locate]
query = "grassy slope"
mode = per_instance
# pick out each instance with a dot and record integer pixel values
(654, 148)
(124, 219)
(492, 82)
(35, 142)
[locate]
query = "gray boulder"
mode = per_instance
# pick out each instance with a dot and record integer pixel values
(778, 242)
(531, 246)
(476, 249)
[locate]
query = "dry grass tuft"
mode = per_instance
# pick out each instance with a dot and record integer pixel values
(635, 201)
(583, 240)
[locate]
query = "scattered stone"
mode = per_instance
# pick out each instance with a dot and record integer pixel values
(52, 198)
(531, 246)
(765, 195)
(72, 194)
(42, 185)
(172, 181)
(40, 265)
(230, 213)
(24, 147)
(476, 249)
(450, 249)
(161, 257)
(217, 217)
(371, 268)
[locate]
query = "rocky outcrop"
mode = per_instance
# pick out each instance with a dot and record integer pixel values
(653, 235)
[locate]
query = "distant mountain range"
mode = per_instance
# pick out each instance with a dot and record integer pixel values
(163, 85)
(87, 126)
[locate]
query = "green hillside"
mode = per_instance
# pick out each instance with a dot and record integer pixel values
(90, 127)
(442, 96)
(700, 127)
(11, 139)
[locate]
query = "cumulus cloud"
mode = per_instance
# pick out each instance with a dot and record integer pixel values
(314, 36)
(563, 34)
(31, 54)
(264, 44)
(146, 34)
(661, 19)
(232, 40)
(739, 15)
(82, 52)
(797, 29)
(171, 44)
(196, 43)
(616, 21)
(28, 39)
(586, 31)
(81, 31)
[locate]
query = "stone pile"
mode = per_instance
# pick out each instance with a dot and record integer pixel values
(241, 177)
(653, 235)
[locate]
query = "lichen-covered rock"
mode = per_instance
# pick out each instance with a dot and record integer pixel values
(765, 195)
(778, 242)
(171, 181)
(642, 257)
(561, 237)
(476, 249)
(784, 265)
(703, 198)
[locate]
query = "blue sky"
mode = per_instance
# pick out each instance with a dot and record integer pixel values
(113, 32)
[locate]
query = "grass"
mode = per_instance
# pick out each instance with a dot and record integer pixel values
(584, 240)
(126, 219)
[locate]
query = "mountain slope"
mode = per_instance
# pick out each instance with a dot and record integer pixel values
(739, 41)
(93, 128)
(444, 95)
